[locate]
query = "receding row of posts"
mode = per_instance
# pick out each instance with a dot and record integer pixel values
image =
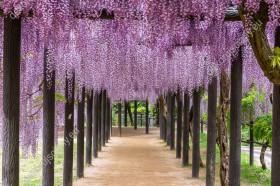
(185, 116)
(11, 115)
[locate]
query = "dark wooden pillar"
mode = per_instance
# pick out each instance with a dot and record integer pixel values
(160, 124)
(68, 133)
(81, 134)
(196, 134)
(211, 133)
(168, 122)
(179, 126)
(48, 123)
(99, 121)
(275, 164)
(135, 115)
(107, 119)
(11, 96)
(172, 127)
(251, 144)
(103, 117)
(235, 120)
(185, 159)
(120, 119)
(89, 127)
(95, 126)
(157, 111)
(125, 114)
(147, 116)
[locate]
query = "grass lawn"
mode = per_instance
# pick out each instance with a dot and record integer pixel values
(31, 167)
(250, 175)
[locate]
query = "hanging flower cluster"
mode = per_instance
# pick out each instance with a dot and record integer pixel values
(150, 48)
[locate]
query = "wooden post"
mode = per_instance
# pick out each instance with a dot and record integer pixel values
(107, 119)
(95, 126)
(168, 122)
(11, 96)
(103, 117)
(185, 160)
(119, 119)
(251, 144)
(179, 126)
(235, 120)
(211, 133)
(89, 127)
(196, 134)
(141, 118)
(99, 121)
(81, 134)
(172, 128)
(275, 164)
(160, 123)
(68, 133)
(147, 116)
(135, 115)
(125, 114)
(157, 111)
(48, 123)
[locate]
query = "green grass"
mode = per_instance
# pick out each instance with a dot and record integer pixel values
(254, 174)
(31, 167)
(250, 175)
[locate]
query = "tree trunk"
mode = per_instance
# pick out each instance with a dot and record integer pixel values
(89, 127)
(259, 42)
(81, 134)
(11, 103)
(235, 120)
(95, 126)
(211, 133)
(147, 116)
(263, 149)
(48, 123)
(135, 115)
(68, 133)
(222, 128)
(196, 134)
(179, 126)
(185, 159)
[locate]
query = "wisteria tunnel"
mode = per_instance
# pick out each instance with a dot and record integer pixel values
(140, 92)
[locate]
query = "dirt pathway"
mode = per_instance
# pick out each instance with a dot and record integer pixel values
(137, 159)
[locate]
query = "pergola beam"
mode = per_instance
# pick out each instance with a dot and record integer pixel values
(230, 15)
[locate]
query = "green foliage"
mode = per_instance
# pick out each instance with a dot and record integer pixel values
(263, 128)
(275, 59)
(204, 117)
(248, 102)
